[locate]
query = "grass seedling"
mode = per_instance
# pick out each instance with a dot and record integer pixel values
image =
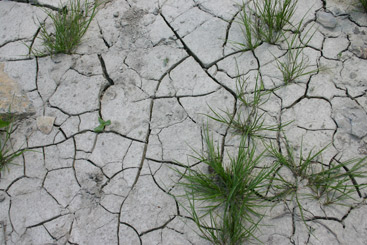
(7, 154)
(257, 98)
(69, 25)
(102, 125)
(295, 64)
(228, 197)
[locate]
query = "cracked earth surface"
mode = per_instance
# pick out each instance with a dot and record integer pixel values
(152, 67)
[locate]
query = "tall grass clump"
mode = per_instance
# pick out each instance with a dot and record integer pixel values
(68, 26)
(224, 202)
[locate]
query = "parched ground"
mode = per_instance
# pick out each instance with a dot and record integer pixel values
(153, 67)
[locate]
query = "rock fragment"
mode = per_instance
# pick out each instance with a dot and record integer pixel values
(13, 99)
(45, 124)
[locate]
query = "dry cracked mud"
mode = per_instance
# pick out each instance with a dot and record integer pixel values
(152, 67)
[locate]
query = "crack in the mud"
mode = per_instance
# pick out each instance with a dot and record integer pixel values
(104, 70)
(13, 41)
(183, 96)
(231, 21)
(202, 8)
(103, 39)
(45, 221)
(157, 228)
(188, 50)
(133, 228)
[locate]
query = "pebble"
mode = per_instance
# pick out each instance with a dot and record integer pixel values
(45, 124)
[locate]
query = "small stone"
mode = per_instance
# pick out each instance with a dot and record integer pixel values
(326, 20)
(116, 14)
(45, 124)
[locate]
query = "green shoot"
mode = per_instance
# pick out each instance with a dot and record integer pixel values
(102, 125)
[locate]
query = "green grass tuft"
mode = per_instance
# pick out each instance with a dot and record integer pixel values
(263, 21)
(248, 28)
(331, 183)
(228, 197)
(7, 154)
(337, 182)
(272, 16)
(69, 25)
(248, 119)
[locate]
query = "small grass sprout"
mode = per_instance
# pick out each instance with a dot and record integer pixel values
(69, 25)
(7, 154)
(249, 122)
(102, 125)
(258, 94)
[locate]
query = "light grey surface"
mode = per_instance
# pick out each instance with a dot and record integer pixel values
(166, 61)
